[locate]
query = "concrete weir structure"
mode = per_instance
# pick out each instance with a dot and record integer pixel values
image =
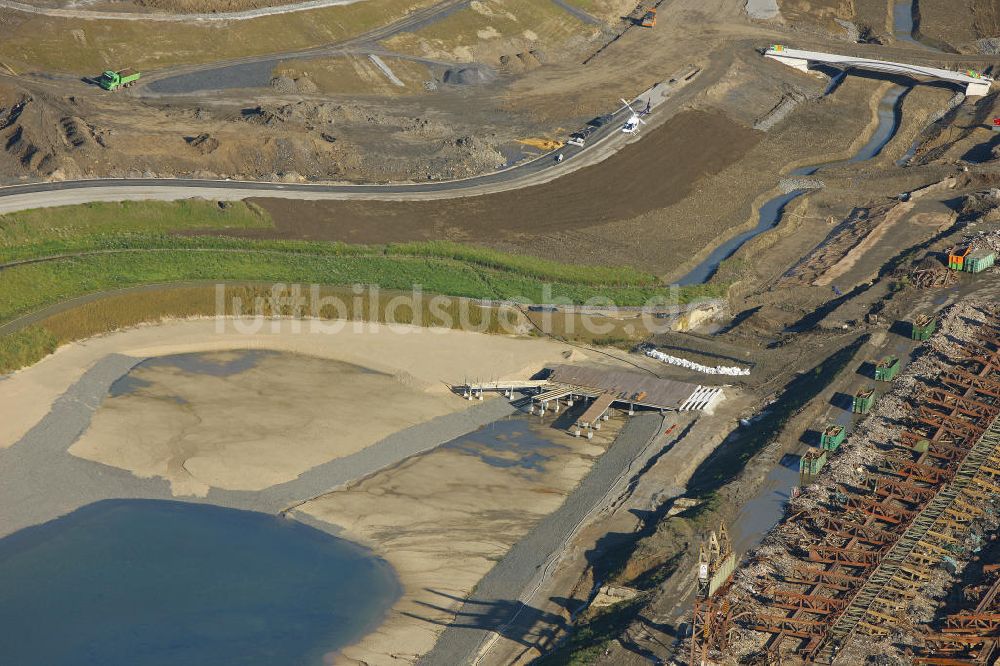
(976, 85)
(606, 389)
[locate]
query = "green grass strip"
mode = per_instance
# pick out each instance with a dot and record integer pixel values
(28, 287)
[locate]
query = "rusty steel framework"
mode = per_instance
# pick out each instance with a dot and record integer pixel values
(712, 612)
(966, 638)
(868, 553)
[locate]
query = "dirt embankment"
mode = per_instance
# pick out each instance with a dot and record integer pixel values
(654, 173)
(956, 25)
(821, 13)
(89, 135)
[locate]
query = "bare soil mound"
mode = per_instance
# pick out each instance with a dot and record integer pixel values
(651, 174)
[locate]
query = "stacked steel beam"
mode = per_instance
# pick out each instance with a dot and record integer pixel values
(861, 558)
(967, 638)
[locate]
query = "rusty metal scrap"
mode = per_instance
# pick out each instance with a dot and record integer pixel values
(859, 559)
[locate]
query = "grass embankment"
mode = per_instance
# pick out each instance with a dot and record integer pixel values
(28, 345)
(45, 232)
(57, 254)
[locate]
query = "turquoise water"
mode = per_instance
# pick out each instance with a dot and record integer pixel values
(142, 583)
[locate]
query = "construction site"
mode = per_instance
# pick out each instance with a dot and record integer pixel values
(887, 550)
(527, 331)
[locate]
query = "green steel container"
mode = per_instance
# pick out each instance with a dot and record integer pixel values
(887, 369)
(864, 400)
(923, 328)
(833, 436)
(812, 462)
(979, 261)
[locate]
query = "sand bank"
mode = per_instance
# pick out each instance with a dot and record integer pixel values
(423, 358)
(252, 429)
(443, 520)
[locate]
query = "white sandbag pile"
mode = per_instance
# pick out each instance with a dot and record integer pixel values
(730, 370)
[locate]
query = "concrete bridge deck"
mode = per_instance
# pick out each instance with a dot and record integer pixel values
(976, 85)
(626, 388)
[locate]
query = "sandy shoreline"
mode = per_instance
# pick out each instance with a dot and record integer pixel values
(248, 420)
(427, 358)
(445, 520)
(441, 530)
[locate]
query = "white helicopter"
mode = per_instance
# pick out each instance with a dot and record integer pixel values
(631, 125)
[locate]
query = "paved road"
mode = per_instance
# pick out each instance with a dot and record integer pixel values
(603, 142)
(87, 14)
(600, 145)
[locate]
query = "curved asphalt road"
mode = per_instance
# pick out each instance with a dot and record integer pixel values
(87, 14)
(44, 194)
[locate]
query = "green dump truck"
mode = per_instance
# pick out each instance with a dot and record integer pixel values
(111, 80)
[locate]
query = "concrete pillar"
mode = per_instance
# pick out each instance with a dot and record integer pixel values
(597, 424)
(590, 434)
(556, 408)
(977, 89)
(576, 433)
(607, 415)
(800, 64)
(631, 410)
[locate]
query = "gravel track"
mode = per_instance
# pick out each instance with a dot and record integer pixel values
(248, 71)
(578, 13)
(495, 604)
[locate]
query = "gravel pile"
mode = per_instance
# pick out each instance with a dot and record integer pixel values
(789, 185)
